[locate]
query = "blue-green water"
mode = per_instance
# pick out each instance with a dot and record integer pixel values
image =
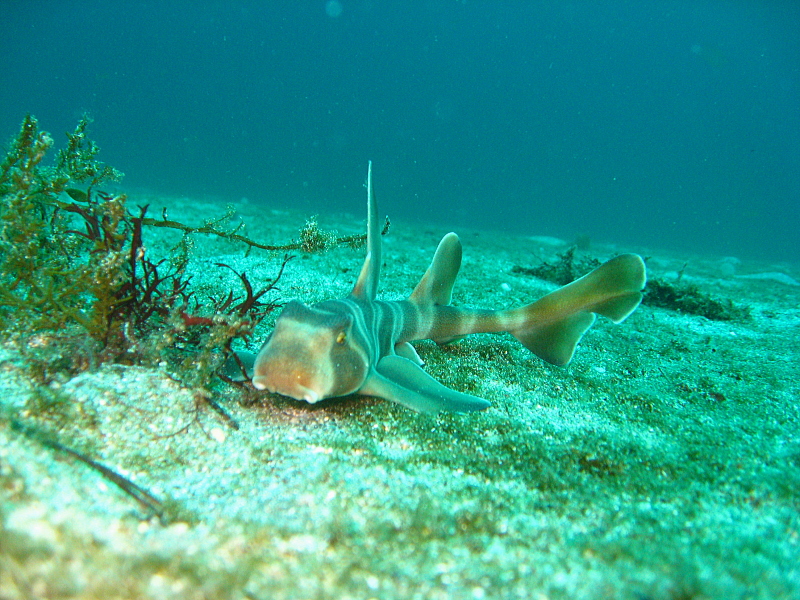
(671, 124)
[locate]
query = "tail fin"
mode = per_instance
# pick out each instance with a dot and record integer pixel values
(553, 325)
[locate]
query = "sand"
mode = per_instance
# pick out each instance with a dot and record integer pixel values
(662, 463)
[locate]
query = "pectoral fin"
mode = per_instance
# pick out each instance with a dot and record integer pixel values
(398, 379)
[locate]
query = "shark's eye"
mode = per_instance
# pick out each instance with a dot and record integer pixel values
(340, 339)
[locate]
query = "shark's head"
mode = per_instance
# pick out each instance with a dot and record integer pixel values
(311, 355)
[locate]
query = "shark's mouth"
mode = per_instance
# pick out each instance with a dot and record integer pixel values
(295, 390)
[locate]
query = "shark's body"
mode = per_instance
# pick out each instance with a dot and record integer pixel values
(361, 345)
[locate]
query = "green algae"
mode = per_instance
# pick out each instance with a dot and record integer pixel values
(77, 286)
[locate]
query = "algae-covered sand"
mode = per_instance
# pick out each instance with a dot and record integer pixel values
(662, 463)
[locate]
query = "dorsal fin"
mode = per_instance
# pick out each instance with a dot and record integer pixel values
(436, 286)
(366, 287)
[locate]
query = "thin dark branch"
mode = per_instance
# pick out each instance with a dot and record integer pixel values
(229, 420)
(138, 493)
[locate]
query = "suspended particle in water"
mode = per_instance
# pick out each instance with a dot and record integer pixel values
(333, 8)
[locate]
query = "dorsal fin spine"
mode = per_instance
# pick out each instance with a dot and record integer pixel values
(366, 286)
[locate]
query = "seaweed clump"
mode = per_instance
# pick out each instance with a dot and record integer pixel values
(314, 239)
(566, 269)
(50, 273)
(77, 286)
(688, 298)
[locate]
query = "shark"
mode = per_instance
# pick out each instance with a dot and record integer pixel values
(362, 345)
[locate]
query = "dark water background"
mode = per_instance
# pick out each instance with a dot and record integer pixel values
(669, 123)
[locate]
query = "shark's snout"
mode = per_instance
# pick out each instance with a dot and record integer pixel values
(293, 362)
(310, 355)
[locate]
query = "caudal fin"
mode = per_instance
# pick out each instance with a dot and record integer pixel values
(553, 325)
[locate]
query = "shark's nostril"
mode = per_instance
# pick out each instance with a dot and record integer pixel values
(260, 383)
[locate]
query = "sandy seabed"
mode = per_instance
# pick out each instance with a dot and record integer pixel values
(662, 463)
